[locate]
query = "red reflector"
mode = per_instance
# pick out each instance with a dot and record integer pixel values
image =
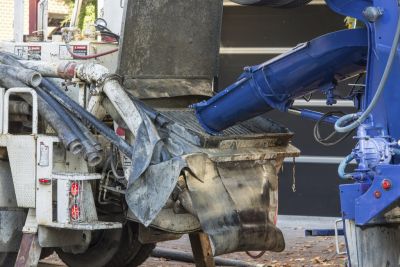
(44, 181)
(75, 212)
(377, 194)
(386, 184)
(120, 131)
(74, 189)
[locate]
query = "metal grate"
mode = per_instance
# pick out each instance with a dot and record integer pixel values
(257, 126)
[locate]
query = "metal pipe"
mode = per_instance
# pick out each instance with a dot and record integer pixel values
(63, 69)
(75, 13)
(268, 86)
(43, 15)
(188, 257)
(97, 74)
(312, 115)
(28, 77)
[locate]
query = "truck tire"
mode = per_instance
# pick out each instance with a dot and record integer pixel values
(273, 3)
(131, 251)
(102, 249)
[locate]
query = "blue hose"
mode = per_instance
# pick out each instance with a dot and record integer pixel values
(342, 167)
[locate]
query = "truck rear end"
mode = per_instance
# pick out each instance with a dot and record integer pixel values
(138, 168)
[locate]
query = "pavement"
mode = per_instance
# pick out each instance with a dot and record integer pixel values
(300, 250)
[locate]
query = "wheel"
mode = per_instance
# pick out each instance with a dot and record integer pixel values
(111, 249)
(273, 3)
(102, 248)
(131, 251)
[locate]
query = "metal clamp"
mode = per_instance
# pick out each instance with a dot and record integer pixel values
(337, 238)
(21, 90)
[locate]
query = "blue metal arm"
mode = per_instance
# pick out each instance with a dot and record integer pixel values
(317, 65)
(312, 66)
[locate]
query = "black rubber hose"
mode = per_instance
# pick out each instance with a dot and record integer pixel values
(64, 132)
(86, 117)
(91, 154)
(74, 108)
(26, 76)
(88, 134)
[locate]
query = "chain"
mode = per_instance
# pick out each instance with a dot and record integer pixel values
(294, 175)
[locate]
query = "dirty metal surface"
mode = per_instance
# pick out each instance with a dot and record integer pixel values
(232, 178)
(236, 205)
(170, 47)
(251, 131)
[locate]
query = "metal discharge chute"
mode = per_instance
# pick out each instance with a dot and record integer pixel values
(315, 65)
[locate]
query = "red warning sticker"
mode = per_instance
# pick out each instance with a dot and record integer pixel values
(33, 52)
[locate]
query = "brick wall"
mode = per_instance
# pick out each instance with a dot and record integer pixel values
(58, 7)
(7, 19)
(7, 16)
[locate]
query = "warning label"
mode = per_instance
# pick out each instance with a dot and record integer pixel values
(81, 50)
(29, 52)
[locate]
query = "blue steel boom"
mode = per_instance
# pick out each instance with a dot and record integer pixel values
(317, 65)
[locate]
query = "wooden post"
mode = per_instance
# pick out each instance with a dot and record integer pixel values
(202, 252)
(29, 251)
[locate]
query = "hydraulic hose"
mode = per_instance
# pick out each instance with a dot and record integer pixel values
(76, 56)
(75, 108)
(64, 132)
(88, 134)
(91, 154)
(29, 77)
(86, 117)
(342, 167)
(340, 125)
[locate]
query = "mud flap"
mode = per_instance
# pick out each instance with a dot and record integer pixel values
(237, 204)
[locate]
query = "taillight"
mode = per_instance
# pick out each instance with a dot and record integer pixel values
(75, 200)
(74, 189)
(44, 181)
(75, 212)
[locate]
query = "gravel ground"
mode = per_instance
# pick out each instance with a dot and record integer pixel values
(300, 250)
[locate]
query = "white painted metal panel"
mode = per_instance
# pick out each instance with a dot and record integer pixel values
(22, 155)
(44, 169)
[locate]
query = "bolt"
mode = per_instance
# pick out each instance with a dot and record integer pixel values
(372, 13)
(386, 184)
(377, 194)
